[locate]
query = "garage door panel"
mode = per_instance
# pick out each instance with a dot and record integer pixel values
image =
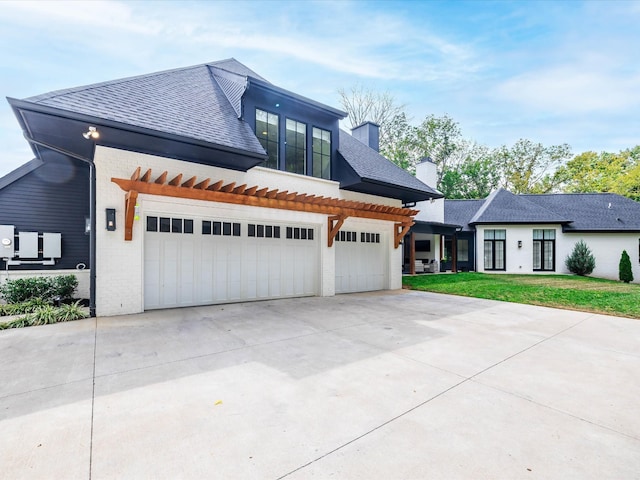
(226, 261)
(361, 261)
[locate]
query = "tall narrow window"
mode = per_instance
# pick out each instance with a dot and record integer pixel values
(295, 156)
(463, 250)
(494, 249)
(267, 133)
(544, 250)
(321, 153)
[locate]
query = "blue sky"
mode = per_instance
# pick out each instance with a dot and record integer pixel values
(551, 72)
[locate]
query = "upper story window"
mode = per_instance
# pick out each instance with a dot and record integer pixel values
(267, 133)
(295, 156)
(321, 153)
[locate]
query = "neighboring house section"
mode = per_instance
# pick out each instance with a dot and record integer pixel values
(211, 185)
(535, 233)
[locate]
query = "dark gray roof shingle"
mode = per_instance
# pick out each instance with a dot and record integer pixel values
(186, 102)
(505, 207)
(460, 212)
(370, 165)
(586, 212)
(593, 211)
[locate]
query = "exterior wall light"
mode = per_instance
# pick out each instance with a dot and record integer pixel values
(519, 243)
(91, 134)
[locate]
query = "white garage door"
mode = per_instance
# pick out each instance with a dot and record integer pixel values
(361, 261)
(195, 261)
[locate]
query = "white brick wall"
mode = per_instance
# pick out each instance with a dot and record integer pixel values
(82, 275)
(120, 264)
(606, 248)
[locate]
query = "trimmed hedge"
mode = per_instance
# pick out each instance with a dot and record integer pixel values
(22, 290)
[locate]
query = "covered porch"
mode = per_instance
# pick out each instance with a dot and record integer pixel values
(432, 247)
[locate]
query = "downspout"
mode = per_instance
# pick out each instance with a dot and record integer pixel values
(92, 215)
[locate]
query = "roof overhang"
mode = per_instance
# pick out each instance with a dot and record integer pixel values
(435, 228)
(382, 189)
(64, 130)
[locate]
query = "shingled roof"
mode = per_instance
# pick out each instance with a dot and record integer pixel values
(593, 212)
(505, 207)
(372, 167)
(576, 212)
(188, 102)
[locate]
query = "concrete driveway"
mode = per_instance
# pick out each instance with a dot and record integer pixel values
(392, 385)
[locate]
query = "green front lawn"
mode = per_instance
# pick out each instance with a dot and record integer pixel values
(559, 291)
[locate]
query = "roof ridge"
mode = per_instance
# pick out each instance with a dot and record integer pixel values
(117, 81)
(485, 205)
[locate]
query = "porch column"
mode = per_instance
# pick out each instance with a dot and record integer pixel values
(454, 253)
(412, 253)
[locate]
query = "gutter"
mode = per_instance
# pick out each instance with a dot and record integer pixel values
(92, 213)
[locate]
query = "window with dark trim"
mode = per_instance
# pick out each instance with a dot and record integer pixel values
(321, 153)
(544, 250)
(268, 135)
(220, 228)
(295, 153)
(494, 249)
(169, 225)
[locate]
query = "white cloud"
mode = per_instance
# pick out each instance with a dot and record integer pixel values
(567, 90)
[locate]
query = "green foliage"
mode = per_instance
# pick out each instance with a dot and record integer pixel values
(46, 288)
(581, 261)
(603, 172)
(624, 268)
(21, 308)
(47, 314)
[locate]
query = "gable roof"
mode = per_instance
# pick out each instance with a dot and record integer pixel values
(373, 173)
(20, 172)
(505, 207)
(576, 212)
(593, 212)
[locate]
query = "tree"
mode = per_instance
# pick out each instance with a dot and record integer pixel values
(603, 172)
(472, 173)
(529, 167)
(624, 269)
(363, 104)
(581, 261)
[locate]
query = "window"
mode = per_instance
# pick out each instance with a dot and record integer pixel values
(172, 225)
(295, 155)
(544, 250)
(494, 249)
(463, 250)
(267, 133)
(321, 153)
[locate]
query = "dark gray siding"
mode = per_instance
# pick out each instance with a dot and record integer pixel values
(54, 197)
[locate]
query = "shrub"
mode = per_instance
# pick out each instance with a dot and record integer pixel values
(24, 289)
(47, 314)
(20, 308)
(581, 261)
(624, 269)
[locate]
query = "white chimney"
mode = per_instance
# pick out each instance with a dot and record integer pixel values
(427, 172)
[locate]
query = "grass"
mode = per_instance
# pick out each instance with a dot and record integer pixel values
(559, 291)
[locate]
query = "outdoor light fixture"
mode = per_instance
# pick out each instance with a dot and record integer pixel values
(519, 243)
(92, 134)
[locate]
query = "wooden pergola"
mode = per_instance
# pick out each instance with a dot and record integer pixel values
(337, 210)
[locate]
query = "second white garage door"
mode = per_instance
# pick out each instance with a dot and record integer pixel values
(361, 261)
(195, 261)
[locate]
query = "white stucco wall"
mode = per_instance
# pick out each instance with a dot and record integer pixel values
(606, 248)
(120, 264)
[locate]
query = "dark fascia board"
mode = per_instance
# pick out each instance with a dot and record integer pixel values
(250, 159)
(604, 230)
(521, 223)
(307, 102)
(382, 189)
(20, 172)
(435, 227)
